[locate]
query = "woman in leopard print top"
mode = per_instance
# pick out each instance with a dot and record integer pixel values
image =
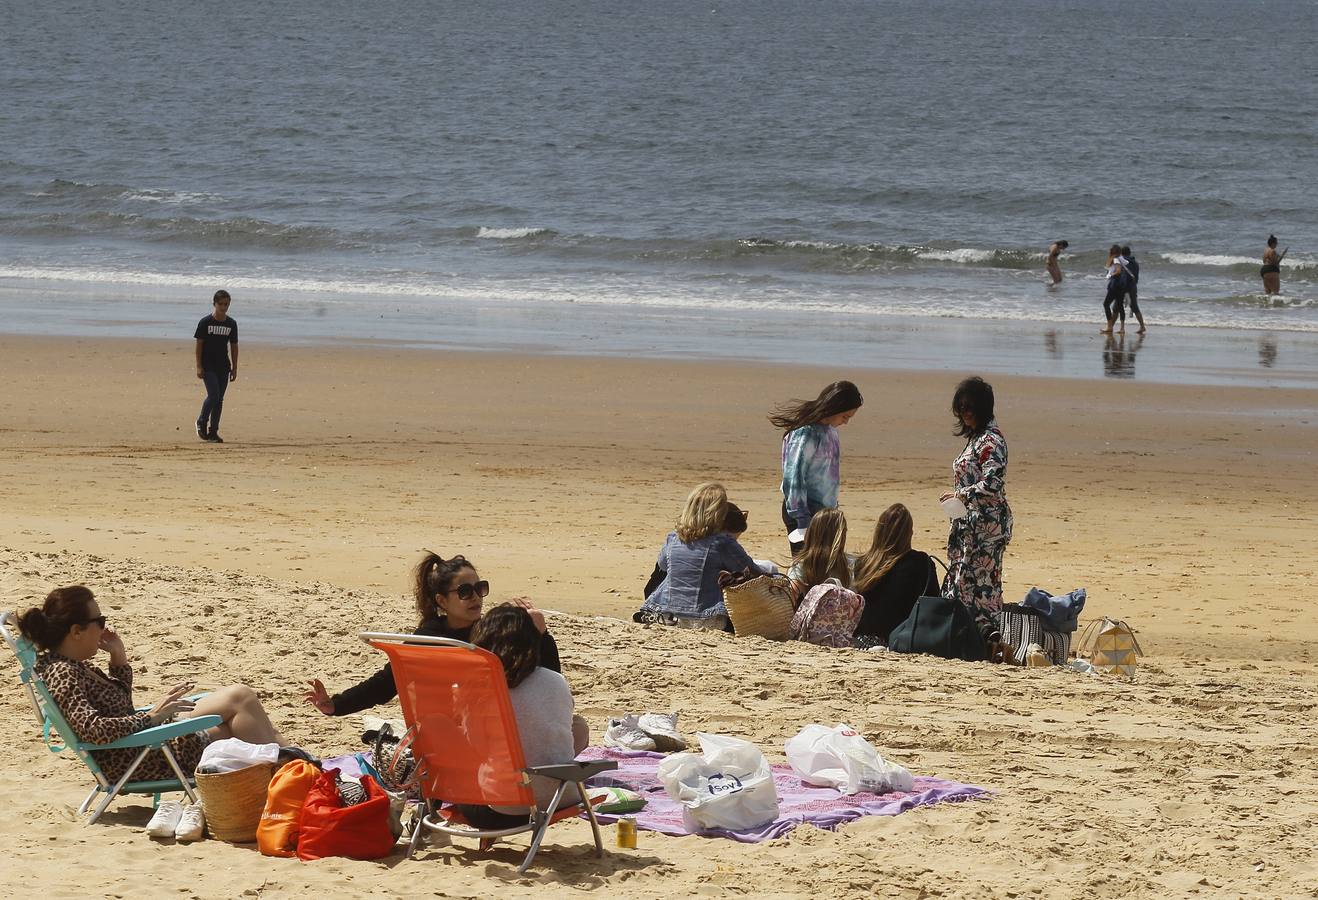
(71, 629)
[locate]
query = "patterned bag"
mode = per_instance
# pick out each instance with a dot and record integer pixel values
(1110, 645)
(828, 615)
(1022, 626)
(391, 758)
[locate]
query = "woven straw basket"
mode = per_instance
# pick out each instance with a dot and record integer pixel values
(761, 607)
(234, 801)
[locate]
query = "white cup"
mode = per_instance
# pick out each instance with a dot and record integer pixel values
(954, 508)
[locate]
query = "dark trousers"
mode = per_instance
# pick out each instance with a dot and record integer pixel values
(216, 384)
(1134, 297)
(1115, 295)
(791, 526)
(484, 817)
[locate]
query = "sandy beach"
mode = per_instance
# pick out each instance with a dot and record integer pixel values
(1186, 510)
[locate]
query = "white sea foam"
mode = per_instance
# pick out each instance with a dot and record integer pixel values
(963, 255)
(171, 197)
(1207, 259)
(419, 295)
(814, 245)
(509, 234)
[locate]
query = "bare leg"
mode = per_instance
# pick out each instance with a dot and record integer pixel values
(244, 716)
(580, 735)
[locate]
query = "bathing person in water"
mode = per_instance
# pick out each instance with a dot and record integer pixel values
(1054, 251)
(1271, 268)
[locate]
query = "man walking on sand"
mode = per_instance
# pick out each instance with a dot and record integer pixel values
(217, 338)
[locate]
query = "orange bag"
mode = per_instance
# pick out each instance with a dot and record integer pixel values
(276, 835)
(357, 832)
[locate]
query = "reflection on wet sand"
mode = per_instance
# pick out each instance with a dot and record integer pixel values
(1118, 359)
(1051, 345)
(1267, 351)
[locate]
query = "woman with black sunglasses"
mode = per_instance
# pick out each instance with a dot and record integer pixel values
(449, 600)
(69, 631)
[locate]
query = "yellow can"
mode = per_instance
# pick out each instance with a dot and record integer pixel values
(627, 832)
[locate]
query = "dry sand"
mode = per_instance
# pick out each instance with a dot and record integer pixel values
(1187, 511)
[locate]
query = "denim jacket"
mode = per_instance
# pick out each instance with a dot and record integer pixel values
(691, 586)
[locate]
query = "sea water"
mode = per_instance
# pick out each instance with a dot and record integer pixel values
(811, 168)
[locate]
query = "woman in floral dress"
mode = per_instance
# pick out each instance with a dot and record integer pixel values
(978, 539)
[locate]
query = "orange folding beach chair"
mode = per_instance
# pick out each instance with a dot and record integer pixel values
(464, 740)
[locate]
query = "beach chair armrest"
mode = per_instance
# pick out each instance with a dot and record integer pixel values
(148, 737)
(575, 771)
(194, 698)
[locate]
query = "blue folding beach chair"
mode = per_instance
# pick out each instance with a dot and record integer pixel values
(50, 718)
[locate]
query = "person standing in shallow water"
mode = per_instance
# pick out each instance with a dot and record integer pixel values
(812, 454)
(1271, 269)
(1133, 287)
(1114, 300)
(217, 340)
(1054, 268)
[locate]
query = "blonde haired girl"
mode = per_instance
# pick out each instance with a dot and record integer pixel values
(693, 555)
(704, 513)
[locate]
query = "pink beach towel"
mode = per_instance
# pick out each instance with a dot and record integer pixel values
(798, 804)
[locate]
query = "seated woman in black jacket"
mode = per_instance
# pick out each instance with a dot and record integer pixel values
(891, 576)
(449, 597)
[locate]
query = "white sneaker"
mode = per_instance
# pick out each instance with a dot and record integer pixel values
(191, 825)
(623, 734)
(662, 729)
(165, 819)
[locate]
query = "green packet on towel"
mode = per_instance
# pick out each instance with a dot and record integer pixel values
(613, 801)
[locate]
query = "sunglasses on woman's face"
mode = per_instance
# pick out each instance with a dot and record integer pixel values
(467, 591)
(99, 622)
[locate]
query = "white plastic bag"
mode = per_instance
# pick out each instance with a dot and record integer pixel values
(232, 754)
(727, 785)
(839, 757)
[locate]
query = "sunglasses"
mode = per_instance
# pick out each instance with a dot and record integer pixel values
(99, 622)
(467, 591)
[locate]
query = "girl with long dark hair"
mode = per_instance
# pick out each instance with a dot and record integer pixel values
(812, 453)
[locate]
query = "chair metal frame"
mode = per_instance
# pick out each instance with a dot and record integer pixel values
(430, 817)
(50, 717)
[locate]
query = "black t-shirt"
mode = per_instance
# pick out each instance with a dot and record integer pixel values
(217, 336)
(889, 600)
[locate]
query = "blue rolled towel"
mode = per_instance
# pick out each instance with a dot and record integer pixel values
(1061, 612)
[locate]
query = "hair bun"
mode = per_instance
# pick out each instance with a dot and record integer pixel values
(33, 624)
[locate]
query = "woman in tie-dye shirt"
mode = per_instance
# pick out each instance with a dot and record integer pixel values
(978, 539)
(812, 454)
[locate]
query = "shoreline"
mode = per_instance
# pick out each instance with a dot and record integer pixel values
(1067, 350)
